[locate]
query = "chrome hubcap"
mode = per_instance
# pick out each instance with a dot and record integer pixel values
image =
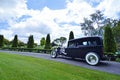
(92, 59)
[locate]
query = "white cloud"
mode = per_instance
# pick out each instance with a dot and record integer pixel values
(78, 9)
(56, 22)
(12, 8)
(7, 33)
(110, 8)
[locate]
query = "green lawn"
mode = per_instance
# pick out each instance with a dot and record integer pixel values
(16, 67)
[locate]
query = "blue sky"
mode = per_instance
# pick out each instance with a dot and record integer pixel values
(40, 4)
(56, 17)
(3, 25)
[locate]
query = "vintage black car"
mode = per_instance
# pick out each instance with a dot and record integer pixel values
(86, 48)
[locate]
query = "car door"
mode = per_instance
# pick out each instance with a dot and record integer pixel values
(81, 48)
(71, 50)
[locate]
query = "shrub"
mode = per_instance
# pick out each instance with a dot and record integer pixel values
(15, 41)
(1, 41)
(30, 43)
(109, 41)
(47, 43)
(71, 35)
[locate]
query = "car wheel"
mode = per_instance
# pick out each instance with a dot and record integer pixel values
(53, 53)
(92, 58)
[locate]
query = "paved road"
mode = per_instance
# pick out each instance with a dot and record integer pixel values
(105, 66)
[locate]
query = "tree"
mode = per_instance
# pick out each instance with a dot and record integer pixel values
(15, 42)
(111, 22)
(6, 42)
(71, 35)
(94, 25)
(56, 42)
(87, 27)
(30, 43)
(63, 40)
(98, 19)
(20, 43)
(116, 31)
(47, 43)
(60, 41)
(109, 41)
(1, 41)
(42, 42)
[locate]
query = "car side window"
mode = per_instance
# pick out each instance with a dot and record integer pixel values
(85, 43)
(92, 43)
(72, 45)
(81, 44)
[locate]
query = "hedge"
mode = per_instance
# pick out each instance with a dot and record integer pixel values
(27, 50)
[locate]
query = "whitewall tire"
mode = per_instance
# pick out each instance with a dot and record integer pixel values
(92, 58)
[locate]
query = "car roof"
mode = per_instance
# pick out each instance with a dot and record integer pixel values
(86, 38)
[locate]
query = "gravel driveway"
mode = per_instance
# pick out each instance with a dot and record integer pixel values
(105, 66)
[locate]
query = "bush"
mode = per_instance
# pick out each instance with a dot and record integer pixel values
(111, 56)
(118, 54)
(71, 35)
(118, 59)
(30, 43)
(15, 42)
(1, 41)
(47, 43)
(109, 41)
(28, 50)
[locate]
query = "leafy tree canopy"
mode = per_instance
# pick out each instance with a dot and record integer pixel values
(42, 41)
(60, 41)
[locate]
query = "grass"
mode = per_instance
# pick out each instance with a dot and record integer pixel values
(16, 67)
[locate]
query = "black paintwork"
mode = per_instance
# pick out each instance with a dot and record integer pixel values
(78, 48)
